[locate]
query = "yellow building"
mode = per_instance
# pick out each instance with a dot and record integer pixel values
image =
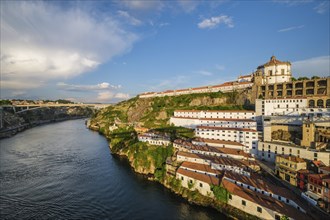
(287, 166)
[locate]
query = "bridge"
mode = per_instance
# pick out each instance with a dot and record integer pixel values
(30, 107)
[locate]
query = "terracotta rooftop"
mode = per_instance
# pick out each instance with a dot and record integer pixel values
(219, 160)
(318, 163)
(258, 181)
(200, 167)
(245, 76)
(263, 200)
(206, 140)
(223, 128)
(292, 158)
(221, 150)
(303, 171)
(199, 176)
(325, 168)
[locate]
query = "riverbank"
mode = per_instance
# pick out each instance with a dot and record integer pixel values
(15, 121)
(158, 164)
(11, 131)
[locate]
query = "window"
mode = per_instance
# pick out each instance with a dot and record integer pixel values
(244, 202)
(201, 184)
(230, 197)
(182, 178)
(259, 209)
(277, 217)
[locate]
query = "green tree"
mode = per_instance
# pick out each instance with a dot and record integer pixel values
(315, 77)
(293, 79)
(303, 78)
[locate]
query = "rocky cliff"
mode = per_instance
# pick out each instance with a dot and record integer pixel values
(15, 121)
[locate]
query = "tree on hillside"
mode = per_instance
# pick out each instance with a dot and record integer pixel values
(303, 78)
(315, 77)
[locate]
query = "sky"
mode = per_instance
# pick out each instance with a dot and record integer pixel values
(108, 51)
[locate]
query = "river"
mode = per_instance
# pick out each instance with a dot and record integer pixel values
(65, 171)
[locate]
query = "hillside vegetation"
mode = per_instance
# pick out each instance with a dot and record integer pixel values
(156, 112)
(117, 124)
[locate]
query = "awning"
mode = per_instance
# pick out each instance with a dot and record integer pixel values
(312, 195)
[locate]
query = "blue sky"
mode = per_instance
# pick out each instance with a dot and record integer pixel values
(107, 51)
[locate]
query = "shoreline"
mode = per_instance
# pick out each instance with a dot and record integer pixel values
(184, 193)
(10, 132)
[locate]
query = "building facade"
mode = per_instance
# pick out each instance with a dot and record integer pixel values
(247, 137)
(286, 167)
(268, 150)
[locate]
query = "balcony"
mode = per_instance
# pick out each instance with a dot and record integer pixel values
(310, 92)
(299, 85)
(310, 84)
(289, 86)
(270, 87)
(279, 87)
(299, 92)
(289, 92)
(322, 83)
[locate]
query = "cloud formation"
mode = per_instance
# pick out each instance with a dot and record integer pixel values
(129, 18)
(86, 88)
(205, 73)
(322, 7)
(316, 66)
(109, 96)
(213, 22)
(42, 42)
(291, 28)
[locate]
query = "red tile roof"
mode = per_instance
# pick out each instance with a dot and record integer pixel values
(206, 140)
(223, 128)
(200, 167)
(262, 200)
(198, 176)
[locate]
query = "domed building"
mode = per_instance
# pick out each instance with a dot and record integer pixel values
(274, 71)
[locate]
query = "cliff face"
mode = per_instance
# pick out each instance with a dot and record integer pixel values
(156, 112)
(15, 122)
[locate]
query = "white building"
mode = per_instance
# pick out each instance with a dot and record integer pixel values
(247, 137)
(245, 78)
(262, 206)
(288, 106)
(154, 139)
(215, 122)
(268, 150)
(197, 181)
(218, 143)
(215, 114)
(225, 87)
(275, 71)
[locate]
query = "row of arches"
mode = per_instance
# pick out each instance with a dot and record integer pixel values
(320, 103)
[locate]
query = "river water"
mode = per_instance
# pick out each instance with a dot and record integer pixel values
(65, 171)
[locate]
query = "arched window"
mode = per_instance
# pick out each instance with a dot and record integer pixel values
(320, 103)
(327, 103)
(311, 103)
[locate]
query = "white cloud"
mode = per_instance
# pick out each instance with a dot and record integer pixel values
(316, 66)
(205, 73)
(293, 2)
(86, 88)
(322, 7)
(42, 42)
(129, 18)
(291, 28)
(110, 96)
(188, 5)
(213, 22)
(220, 67)
(142, 5)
